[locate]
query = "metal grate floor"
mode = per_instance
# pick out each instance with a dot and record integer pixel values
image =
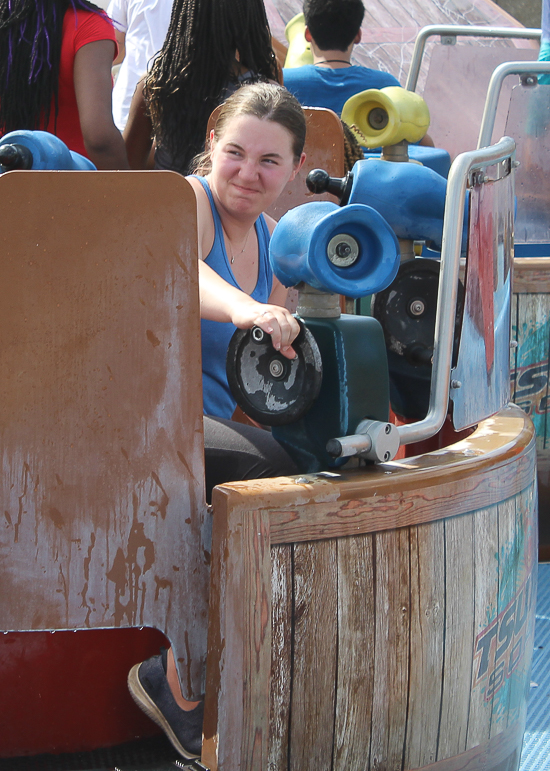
(536, 744)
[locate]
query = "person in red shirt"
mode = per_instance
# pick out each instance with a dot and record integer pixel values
(55, 75)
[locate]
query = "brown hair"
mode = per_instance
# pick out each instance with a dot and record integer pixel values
(266, 101)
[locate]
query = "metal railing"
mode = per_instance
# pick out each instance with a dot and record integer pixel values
(459, 174)
(449, 31)
(493, 93)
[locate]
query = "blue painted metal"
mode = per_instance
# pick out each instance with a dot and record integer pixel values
(355, 386)
(298, 249)
(48, 151)
(410, 197)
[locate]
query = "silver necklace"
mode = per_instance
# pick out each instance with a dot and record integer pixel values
(231, 246)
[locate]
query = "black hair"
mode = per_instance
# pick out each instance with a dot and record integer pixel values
(265, 101)
(30, 50)
(333, 23)
(191, 72)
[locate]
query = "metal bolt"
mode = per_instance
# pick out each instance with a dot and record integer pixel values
(276, 367)
(513, 343)
(417, 307)
(378, 118)
(258, 334)
(343, 250)
(456, 384)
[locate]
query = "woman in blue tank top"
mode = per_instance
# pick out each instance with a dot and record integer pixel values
(252, 157)
(255, 149)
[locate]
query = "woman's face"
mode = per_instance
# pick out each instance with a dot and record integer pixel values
(251, 163)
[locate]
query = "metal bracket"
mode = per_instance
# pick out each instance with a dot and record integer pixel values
(528, 79)
(192, 765)
(373, 440)
(448, 40)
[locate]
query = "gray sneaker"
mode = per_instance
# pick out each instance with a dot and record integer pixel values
(149, 688)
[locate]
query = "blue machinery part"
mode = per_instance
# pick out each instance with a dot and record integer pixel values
(327, 251)
(355, 386)
(350, 250)
(410, 197)
(39, 150)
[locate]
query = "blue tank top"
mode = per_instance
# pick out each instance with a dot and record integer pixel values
(215, 335)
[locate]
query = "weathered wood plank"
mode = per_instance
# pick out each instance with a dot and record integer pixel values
(281, 663)
(391, 658)
(356, 643)
(531, 275)
(459, 635)
(239, 645)
(315, 655)
(498, 685)
(427, 641)
(386, 508)
(475, 473)
(531, 376)
(485, 608)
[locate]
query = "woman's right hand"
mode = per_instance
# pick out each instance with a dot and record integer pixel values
(273, 319)
(222, 302)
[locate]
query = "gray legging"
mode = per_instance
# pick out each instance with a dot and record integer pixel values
(234, 451)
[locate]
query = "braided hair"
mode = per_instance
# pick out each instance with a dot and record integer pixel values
(190, 74)
(30, 51)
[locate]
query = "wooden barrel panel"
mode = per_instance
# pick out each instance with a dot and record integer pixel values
(356, 644)
(486, 534)
(281, 655)
(529, 365)
(391, 656)
(314, 655)
(405, 647)
(427, 639)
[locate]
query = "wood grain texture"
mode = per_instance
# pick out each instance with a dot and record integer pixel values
(459, 635)
(530, 370)
(495, 462)
(238, 676)
(427, 544)
(391, 658)
(531, 275)
(508, 553)
(486, 580)
(356, 646)
(380, 646)
(315, 655)
(281, 658)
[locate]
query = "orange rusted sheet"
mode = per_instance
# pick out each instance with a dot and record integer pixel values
(102, 489)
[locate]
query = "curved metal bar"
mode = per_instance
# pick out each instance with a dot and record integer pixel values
(493, 93)
(463, 31)
(448, 285)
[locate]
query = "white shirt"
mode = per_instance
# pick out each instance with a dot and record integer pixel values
(145, 23)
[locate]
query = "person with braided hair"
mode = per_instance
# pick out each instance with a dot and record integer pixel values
(55, 75)
(212, 46)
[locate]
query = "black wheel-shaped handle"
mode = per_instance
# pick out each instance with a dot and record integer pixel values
(268, 387)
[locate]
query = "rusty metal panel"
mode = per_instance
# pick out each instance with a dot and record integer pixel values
(102, 492)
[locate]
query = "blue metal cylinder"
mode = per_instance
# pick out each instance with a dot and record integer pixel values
(348, 250)
(48, 151)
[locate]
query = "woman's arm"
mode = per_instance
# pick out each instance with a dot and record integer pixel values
(138, 131)
(93, 88)
(222, 302)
